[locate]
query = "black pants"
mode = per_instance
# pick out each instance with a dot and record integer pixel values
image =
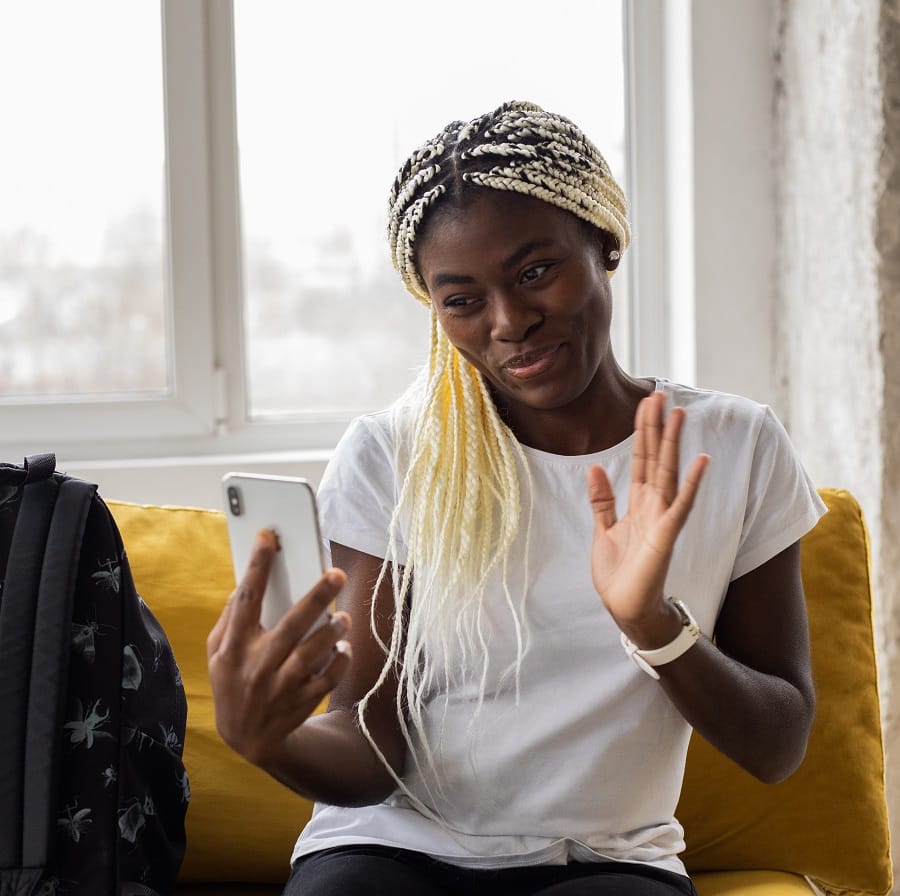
(385, 871)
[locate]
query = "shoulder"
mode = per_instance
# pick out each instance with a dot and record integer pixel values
(750, 449)
(375, 443)
(366, 431)
(380, 431)
(715, 406)
(719, 416)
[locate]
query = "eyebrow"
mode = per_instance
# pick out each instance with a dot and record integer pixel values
(451, 280)
(509, 262)
(524, 251)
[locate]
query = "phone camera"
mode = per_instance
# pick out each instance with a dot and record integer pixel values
(234, 500)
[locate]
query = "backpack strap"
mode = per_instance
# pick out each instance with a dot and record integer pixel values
(50, 668)
(17, 614)
(39, 466)
(35, 631)
(35, 468)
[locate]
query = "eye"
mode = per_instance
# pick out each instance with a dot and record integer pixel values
(457, 302)
(535, 272)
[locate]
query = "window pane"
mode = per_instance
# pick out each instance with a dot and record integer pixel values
(83, 308)
(329, 105)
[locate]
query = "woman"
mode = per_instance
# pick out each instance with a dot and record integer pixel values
(523, 514)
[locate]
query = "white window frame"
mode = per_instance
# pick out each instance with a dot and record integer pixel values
(206, 416)
(660, 187)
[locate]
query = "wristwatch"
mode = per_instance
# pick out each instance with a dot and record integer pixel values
(685, 640)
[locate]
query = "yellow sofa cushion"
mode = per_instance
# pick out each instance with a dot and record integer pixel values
(241, 824)
(751, 883)
(828, 820)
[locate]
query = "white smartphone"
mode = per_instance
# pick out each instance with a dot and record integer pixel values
(287, 505)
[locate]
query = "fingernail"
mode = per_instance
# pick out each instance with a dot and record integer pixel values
(268, 537)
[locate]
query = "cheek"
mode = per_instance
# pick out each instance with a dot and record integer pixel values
(461, 331)
(593, 319)
(598, 299)
(476, 359)
(465, 338)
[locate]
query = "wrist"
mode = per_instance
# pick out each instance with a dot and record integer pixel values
(647, 659)
(654, 629)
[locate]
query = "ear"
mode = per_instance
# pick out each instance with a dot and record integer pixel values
(610, 253)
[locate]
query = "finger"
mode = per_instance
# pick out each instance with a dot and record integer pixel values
(652, 430)
(246, 600)
(667, 466)
(338, 666)
(314, 687)
(294, 626)
(639, 451)
(684, 500)
(601, 497)
(312, 653)
(214, 638)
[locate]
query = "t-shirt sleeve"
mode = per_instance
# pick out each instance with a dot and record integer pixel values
(782, 502)
(357, 494)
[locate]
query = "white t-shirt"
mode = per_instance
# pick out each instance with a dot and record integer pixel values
(588, 764)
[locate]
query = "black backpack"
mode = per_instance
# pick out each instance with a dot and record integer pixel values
(93, 792)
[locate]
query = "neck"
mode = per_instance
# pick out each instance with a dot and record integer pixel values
(602, 417)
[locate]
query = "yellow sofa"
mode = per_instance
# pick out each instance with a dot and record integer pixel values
(826, 825)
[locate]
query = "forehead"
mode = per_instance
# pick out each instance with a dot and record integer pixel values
(490, 224)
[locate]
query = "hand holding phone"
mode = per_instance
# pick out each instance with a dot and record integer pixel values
(266, 684)
(287, 506)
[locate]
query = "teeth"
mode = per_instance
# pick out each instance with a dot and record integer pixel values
(530, 358)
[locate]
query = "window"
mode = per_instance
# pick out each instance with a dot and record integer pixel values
(83, 302)
(328, 108)
(257, 308)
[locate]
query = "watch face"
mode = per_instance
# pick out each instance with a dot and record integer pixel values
(686, 618)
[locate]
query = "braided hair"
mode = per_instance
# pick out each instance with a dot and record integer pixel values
(517, 147)
(461, 470)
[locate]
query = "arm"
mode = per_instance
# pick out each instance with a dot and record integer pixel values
(267, 684)
(368, 660)
(751, 695)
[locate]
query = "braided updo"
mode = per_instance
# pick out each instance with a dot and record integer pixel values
(461, 471)
(518, 147)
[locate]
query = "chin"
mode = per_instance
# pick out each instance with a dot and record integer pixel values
(536, 397)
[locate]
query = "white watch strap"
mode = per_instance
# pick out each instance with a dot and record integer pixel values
(684, 641)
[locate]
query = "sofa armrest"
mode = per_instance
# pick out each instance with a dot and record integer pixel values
(829, 819)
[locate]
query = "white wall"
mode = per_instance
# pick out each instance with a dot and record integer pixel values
(734, 211)
(838, 171)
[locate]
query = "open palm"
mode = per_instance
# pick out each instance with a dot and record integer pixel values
(630, 556)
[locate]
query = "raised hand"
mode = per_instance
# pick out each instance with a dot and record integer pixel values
(630, 556)
(266, 683)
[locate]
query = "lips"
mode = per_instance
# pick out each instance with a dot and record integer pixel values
(533, 363)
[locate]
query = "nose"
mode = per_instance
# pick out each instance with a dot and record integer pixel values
(514, 319)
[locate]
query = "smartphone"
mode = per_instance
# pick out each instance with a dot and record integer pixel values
(287, 505)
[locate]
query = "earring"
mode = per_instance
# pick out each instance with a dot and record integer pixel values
(614, 255)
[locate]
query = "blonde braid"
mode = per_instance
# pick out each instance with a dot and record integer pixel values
(460, 505)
